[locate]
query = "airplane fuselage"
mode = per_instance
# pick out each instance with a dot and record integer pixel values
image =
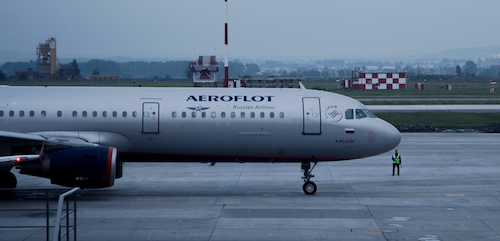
(216, 124)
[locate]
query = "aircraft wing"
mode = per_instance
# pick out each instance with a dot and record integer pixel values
(6, 161)
(12, 138)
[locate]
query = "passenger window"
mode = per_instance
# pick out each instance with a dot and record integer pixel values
(282, 115)
(11, 113)
(43, 113)
(193, 114)
(59, 113)
(360, 114)
(203, 114)
(1, 113)
(233, 114)
(252, 115)
(213, 114)
(349, 114)
(174, 114)
(104, 114)
(124, 114)
(369, 113)
(183, 114)
(32, 113)
(134, 114)
(223, 114)
(94, 113)
(262, 115)
(75, 114)
(115, 114)
(21, 113)
(84, 113)
(242, 115)
(271, 114)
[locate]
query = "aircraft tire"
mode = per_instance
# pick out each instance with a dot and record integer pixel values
(8, 180)
(309, 188)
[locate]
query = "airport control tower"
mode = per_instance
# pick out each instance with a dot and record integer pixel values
(47, 59)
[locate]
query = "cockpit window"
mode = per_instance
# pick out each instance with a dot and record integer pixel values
(369, 113)
(360, 114)
(349, 114)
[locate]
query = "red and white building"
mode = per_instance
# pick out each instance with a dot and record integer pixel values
(380, 81)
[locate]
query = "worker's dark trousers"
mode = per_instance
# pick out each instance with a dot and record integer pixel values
(393, 166)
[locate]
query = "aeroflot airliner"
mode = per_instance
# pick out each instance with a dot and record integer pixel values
(80, 136)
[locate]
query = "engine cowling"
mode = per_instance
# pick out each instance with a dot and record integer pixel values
(88, 167)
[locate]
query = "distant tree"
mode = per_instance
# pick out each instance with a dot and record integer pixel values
(251, 69)
(188, 73)
(341, 73)
(398, 66)
(409, 70)
(10, 68)
(236, 69)
(458, 70)
(75, 67)
(96, 71)
(167, 77)
(2, 75)
(271, 64)
(311, 73)
(470, 68)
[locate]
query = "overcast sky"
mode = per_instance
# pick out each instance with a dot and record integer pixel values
(273, 29)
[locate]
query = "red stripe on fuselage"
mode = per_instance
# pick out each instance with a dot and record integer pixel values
(144, 157)
(110, 161)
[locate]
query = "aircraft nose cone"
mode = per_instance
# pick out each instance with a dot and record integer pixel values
(393, 137)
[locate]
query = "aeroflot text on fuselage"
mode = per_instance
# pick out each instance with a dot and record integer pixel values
(227, 98)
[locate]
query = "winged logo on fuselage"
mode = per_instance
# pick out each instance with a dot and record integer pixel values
(332, 113)
(198, 108)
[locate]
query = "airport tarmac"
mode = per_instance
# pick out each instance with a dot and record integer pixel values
(449, 189)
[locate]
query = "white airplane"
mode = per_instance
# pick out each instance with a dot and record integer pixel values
(80, 136)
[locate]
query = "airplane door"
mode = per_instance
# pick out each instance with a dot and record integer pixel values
(150, 117)
(312, 116)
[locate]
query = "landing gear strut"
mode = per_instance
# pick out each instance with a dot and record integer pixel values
(8, 180)
(309, 187)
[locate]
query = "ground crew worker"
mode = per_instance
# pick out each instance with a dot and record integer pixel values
(396, 160)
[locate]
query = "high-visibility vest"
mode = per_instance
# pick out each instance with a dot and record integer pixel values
(396, 159)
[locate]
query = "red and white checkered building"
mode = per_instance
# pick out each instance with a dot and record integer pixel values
(380, 81)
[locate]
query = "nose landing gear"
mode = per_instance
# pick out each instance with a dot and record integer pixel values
(309, 187)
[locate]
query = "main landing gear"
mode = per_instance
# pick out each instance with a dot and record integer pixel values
(309, 187)
(8, 180)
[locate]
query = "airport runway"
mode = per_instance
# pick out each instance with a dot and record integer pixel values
(449, 189)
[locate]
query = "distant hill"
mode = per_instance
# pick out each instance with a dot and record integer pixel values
(16, 56)
(464, 53)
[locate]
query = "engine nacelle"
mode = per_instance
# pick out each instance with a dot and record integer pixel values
(91, 167)
(86, 167)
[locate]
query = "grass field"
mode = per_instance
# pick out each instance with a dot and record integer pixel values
(451, 120)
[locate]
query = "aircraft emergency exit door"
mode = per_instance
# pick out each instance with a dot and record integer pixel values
(312, 116)
(150, 117)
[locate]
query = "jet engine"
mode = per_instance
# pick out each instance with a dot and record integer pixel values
(86, 167)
